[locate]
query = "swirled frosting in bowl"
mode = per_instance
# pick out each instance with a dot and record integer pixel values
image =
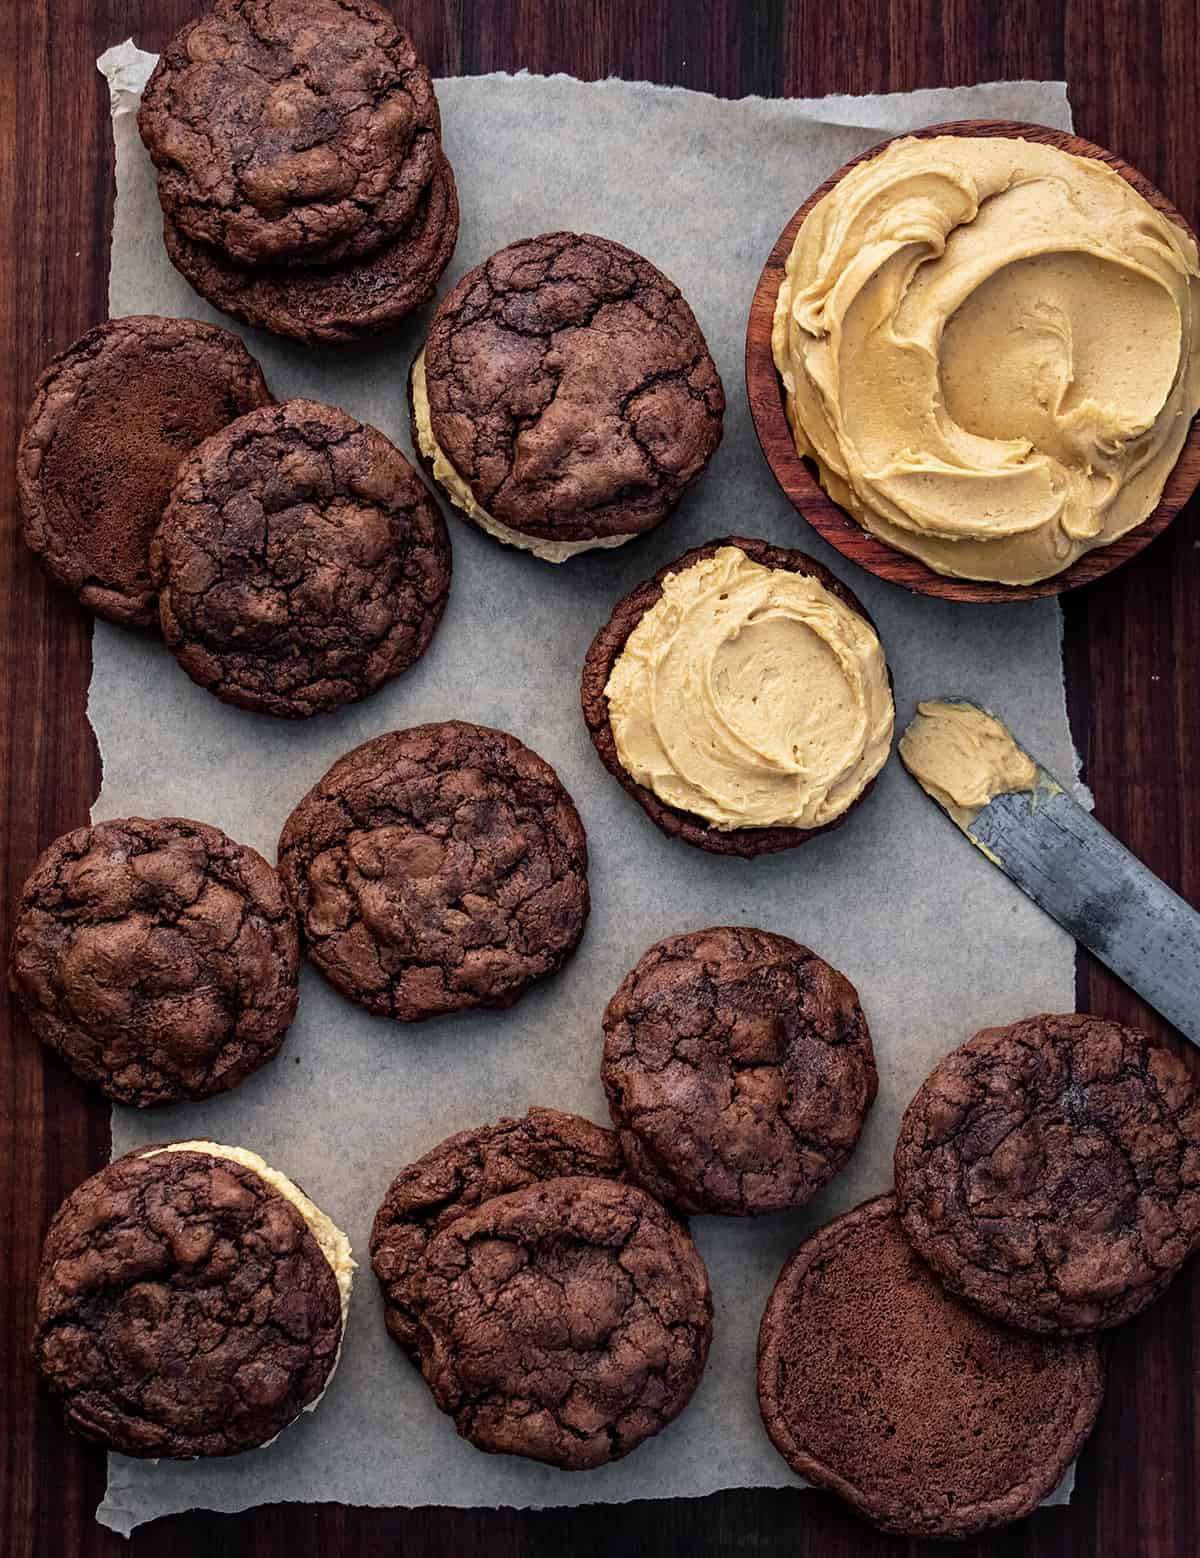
(989, 347)
(752, 697)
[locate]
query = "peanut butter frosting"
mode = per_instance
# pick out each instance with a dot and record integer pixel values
(964, 757)
(989, 348)
(752, 697)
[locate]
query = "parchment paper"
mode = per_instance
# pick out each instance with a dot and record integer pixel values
(935, 939)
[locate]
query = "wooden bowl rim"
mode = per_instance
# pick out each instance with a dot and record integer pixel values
(764, 390)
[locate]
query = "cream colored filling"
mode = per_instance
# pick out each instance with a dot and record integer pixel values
(460, 494)
(990, 349)
(963, 758)
(752, 697)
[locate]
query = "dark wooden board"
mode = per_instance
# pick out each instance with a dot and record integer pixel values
(1133, 641)
(798, 477)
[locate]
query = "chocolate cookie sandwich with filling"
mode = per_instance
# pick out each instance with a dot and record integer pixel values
(300, 170)
(742, 698)
(157, 957)
(926, 1417)
(566, 1322)
(461, 1173)
(739, 1071)
(1049, 1172)
(437, 869)
(111, 420)
(191, 1302)
(300, 563)
(565, 398)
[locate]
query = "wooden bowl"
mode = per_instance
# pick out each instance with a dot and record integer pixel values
(798, 477)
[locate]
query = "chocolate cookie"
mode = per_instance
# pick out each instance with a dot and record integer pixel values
(184, 1307)
(566, 1322)
(436, 869)
(462, 1172)
(603, 654)
(351, 300)
(112, 418)
(929, 1419)
(157, 957)
(1049, 1172)
(291, 129)
(300, 562)
(571, 389)
(739, 1070)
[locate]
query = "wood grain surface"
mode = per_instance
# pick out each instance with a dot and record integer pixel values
(1133, 641)
(798, 477)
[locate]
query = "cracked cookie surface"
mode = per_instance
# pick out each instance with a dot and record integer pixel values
(566, 1322)
(300, 563)
(605, 650)
(927, 1418)
(1049, 1172)
(300, 130)
(112, 418)
(157, 957)
(739, 1071)
(184, 1308)
(436, 869)
(337, 303)
(571, 388)
(462, 1172)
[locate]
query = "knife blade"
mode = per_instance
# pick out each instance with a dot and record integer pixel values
(1097, 890)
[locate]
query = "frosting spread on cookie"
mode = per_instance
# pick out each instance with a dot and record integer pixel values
(989, 347)
(459, 491)
(752, 697)
(963, 758)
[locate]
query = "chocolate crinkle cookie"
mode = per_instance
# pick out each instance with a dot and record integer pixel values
(349, 301)
(112, 418)
(298, 130)
(1049, 1172)
(571, 389)
(157, 957)
(461, 1173)
(929, 1419)
(300, 562)
(436, 869)
(739, 1071)
(184, 1307)
(566, 1322)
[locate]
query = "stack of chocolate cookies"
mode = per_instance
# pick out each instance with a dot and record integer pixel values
(556, 1310)
(300, 168)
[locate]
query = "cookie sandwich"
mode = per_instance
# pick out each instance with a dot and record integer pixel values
(565, 398)
(191, 1302)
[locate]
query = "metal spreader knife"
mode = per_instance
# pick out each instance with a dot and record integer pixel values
(1059, 855)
